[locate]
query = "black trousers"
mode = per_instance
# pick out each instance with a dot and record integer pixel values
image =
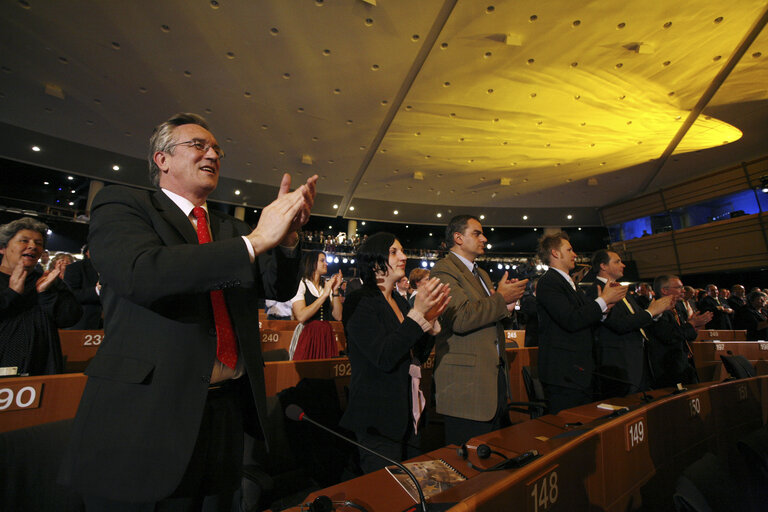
(214, 470)
(459, 430)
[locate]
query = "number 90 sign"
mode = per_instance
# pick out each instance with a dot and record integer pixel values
(20, 397)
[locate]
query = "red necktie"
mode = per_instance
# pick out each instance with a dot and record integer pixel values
(226, 347)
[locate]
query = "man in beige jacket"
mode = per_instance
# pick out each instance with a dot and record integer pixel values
(471, 378)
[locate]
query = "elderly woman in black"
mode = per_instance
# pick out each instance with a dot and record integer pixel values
(387, 344)
(33, 305)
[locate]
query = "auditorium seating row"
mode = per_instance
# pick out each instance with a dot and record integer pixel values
(31, 401)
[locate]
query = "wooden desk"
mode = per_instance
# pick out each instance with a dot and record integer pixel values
(705, 351)
(516, 336)
(608, 463)
(78, 348)
(720, 335)
(290, 325)
(28, 401)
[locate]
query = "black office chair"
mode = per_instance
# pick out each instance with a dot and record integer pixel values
(535, 391)
(738, 367)
(705, 486)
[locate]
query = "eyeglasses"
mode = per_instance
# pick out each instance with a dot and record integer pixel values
(201, 146)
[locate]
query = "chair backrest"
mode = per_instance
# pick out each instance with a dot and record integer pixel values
(535, 390)
(738, 366)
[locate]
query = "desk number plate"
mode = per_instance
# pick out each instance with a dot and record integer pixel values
(543, 492)
(694, 406)
(635, 433)
(763, 346)
(719, 346)
(20, 396)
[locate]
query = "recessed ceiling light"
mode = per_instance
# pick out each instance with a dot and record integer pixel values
(569, 217)
(335, 207)
(439, 215)
(352, 208)
(70, 178)
(363, 223)
(35, 148)
(482, 217)
(46, 183)
(395, 212)
(115, 167)
(71, 203)
(525, 217)
(237, 192)
(489, 246)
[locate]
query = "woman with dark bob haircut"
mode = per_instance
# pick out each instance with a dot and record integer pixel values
(33, 304)
(386, 344)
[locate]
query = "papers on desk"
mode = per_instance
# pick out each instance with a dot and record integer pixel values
(609, 407)
(434, 476)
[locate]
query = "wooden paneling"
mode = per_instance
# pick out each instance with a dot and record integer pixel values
(654, 255)
(724, 245)
(633, 209)
(719, 183)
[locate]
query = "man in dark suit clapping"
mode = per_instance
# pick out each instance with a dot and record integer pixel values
(566, 320)
(180, 372)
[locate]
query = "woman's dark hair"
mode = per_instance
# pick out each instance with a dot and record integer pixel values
(309, 265)
(373, 257)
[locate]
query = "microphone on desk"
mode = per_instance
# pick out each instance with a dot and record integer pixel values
(484, 451)
(646, 397)
(296, 413)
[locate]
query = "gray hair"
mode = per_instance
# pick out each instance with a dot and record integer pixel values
(162, 138)
(8, 231)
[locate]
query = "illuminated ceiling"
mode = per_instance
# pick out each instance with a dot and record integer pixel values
(427, 107)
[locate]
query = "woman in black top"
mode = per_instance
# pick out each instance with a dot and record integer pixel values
(33, 304)
(386, 344)
(751, 318)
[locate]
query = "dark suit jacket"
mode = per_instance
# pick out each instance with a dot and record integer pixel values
(619, 345)
(720, 320)
(566, 319)
(668, 352)
(379, 351)
(470, 343)
(748, 319)
(82, 277)
(140, 413)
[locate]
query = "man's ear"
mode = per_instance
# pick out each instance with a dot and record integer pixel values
(456, 238)
(161, 160)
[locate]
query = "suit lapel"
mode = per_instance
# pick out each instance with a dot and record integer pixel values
(469, 276)
(175, 217)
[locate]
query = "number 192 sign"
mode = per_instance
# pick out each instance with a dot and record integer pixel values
(20, 396)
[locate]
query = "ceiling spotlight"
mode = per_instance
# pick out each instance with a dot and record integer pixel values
(514, 267)
(344, 260)
(569, 217)
(488, 246)
(430, 234)
(335, 207)
(46, 183)
(351, 208)
(352, 261)
(424, 264)
(363, 223)
(439, 215)
(115, 167)
(579, 229)
(237, 192)
(764, 184)
(499, 266)
(395, 212)
(35, 148)
(70, 178)
(71, 203)
(49, 232)
(506, 267)
(431, 264)
(482, 217)
(525, 217)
